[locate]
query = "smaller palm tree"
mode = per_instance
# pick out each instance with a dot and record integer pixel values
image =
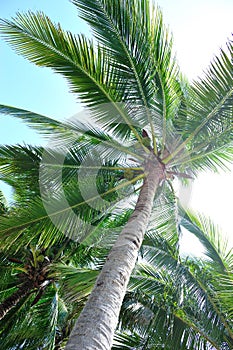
(31, 279)
(43, 291)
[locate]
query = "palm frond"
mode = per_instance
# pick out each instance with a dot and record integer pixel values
(86, 68)
(217, 155)
(74, 213)
(19, 168)
(75, 283)
(126, 341)
(221, 261)
(40, 123)
(164, 217)
(158, 324)
(209, 108)
(63, 134)
(39, 40)
(123, 28)
(211, 239)
(136, 37)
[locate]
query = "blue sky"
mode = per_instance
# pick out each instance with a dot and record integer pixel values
(200, 28)
(27, 86)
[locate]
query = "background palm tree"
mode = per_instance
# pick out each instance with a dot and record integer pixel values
(43, 294)
(156, 126)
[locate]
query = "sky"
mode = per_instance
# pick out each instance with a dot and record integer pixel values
(199, 28)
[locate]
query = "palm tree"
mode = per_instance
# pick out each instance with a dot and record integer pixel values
(43, 292)
(155, 126)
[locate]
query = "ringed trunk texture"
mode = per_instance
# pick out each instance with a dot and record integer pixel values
(94, 330)
(15, 298)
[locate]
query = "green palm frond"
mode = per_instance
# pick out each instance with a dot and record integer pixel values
(213, 98)
(40, 123)
(125, 341)
(139, 42)
(215, 157)
(19, 168)
(140, 109)
(164, 217)
(224, 284)
(162, 324)
(24, 227)
(220, 263)
(9, 280)
(63, 134)
(119, 28)
(75, 206)
(46, 44)
(164, 317)
(19, 157)
(86, 68)
(72, 269)
(12, 322)
(66, 213)
(210, 237)
(75, 283)
(209, 109)
(34, 222)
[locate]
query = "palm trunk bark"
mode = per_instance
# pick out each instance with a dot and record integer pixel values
(95, 327)
(15, 298)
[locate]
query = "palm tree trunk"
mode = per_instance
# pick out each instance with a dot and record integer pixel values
(15, 298)
(98, 320)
